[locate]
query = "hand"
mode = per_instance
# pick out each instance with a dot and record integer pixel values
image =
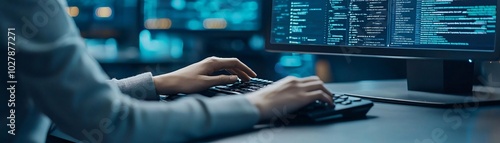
(290, 93)
(196, 77)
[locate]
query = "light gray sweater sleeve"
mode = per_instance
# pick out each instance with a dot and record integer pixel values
(139, 87)
(72, 90)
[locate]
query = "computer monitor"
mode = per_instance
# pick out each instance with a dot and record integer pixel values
(203, 15)
(105, 19)
(440, 38)
(108, 26)
(180, 25)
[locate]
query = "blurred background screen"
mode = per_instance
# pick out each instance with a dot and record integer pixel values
(104, 18)
(108, 26)
(232, 15)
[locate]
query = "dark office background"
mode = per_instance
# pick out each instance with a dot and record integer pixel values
(129, 37)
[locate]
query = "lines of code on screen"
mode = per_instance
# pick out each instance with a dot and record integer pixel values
(430, 24)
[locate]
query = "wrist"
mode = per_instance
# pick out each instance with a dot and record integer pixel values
(257, 102)
(164, 85)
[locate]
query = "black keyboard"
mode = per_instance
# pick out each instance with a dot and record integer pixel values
(242, 87)
(344, 105)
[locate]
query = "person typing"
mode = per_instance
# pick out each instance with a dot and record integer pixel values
(59, 83)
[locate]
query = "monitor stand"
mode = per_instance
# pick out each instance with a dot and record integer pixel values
(434, 83)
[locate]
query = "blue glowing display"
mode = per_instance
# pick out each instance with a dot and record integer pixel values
(416, 24)
(232, 15)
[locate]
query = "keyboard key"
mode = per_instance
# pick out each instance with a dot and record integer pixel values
(337, 101)
(336, 96)
(343, 97)
(222, 87)
(355, 99)
(227, 91)
(346, 102)
(250, 89)
(238, 90)
(254, 87)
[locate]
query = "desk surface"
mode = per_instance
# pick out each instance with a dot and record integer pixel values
(389, 123)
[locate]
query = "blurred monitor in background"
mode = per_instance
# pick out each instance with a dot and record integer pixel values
(176, 30)
(231, 15)
(108, 26)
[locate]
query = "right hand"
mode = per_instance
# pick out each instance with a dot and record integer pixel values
(290, 93)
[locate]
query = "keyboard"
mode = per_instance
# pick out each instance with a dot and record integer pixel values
(344, 106)
(242, 87)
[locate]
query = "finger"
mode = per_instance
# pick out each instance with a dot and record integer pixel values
(326, 90)
(326, 98)
(230, 71)
(315, 85)
(242, 75)
(231, 63)
(320, 95)
(316, 79)
(220, 79)
(310, 79)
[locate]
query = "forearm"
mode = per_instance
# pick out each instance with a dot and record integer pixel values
(183, 120)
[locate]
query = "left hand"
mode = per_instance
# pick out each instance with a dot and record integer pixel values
(196, 77)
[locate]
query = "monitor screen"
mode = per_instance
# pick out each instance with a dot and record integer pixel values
(196, 15)
(104, 18)
(400, 24)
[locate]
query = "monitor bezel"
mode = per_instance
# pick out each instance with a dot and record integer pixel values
(376, 52)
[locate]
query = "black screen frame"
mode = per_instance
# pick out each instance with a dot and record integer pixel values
(377, 52)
